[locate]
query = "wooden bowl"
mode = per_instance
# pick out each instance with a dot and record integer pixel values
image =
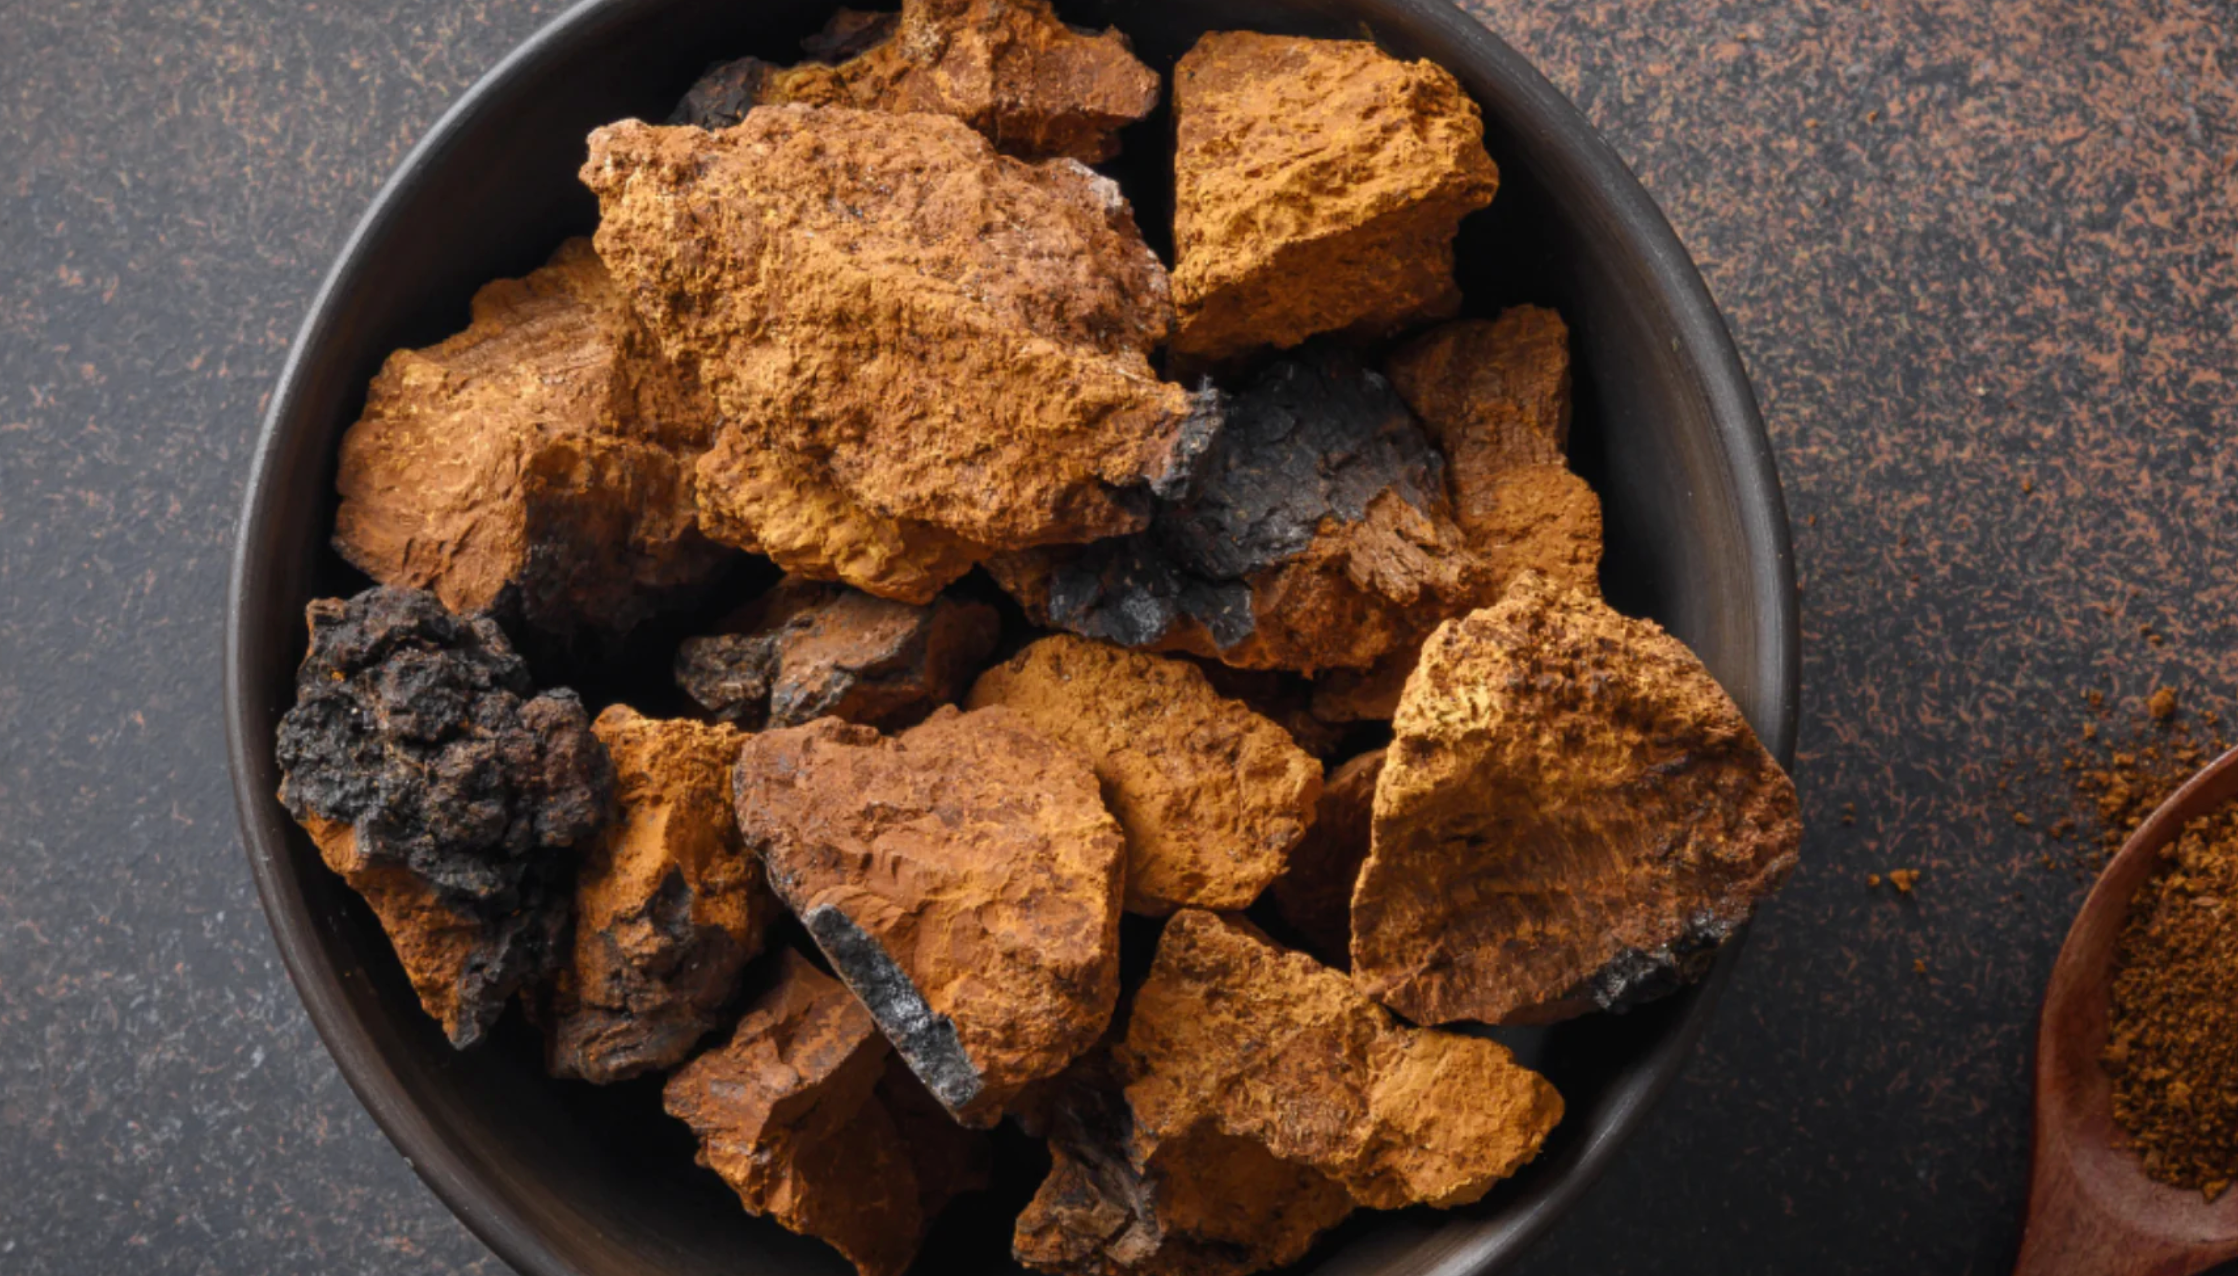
(2091, 1209)
(562, 1178)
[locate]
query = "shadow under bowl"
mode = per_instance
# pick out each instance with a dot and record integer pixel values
(563, 1178)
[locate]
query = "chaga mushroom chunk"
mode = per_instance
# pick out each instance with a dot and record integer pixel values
(1494, 394)
(1317, 188)
(808, 650)
(924, 351)
(963, 878)
(447, 790)
(1211, 795)
(1314, 893)
(1317, 535)
(1233, 1031)
(669, 908)
(546, 452)
(803, 1115)
(1037, 88)
(1573, 815)
(1256, 1100)
(1202, 1204)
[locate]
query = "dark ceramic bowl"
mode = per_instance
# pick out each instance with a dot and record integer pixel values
(567, 1179)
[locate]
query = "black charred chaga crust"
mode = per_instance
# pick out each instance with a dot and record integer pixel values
(722, 95)
(1311, 438)
(730, 676)
(724, 92)
(850, 31)
(1638, 976)
(810, 649)
(421, 731)
(927, 1042)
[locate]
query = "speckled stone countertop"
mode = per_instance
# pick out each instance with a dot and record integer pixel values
(1979, 258)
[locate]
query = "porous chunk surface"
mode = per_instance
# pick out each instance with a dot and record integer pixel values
(1260, 1043)
(443, 786)
(915, 332)
(1035, 87)
(1573, 814)
(1314, 893)
(756, 493)
(669, 908)
(963, 878)
(800, 1115)
(1317, 535)
(1211, 795)
(547, 449)
(808, 649)
(1317, 188)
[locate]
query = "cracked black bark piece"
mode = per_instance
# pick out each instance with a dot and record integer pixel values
(926, 1041)
(1638, 976)
(446, 788)
(808, 650)
(1317, 521)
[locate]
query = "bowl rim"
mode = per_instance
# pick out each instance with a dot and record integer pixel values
(1541, 112)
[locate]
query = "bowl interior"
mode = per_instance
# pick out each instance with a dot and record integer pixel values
(568, 1178)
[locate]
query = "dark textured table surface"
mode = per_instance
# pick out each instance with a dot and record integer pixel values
(1979, 258)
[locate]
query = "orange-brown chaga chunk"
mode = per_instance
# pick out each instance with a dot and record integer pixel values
(1572, 815)
(1317, 535)
(1201, 1204)
(1257, 1098)
(1317, 188)
(448, 950)
(807, 650)
(1314, 894)
(669, 908)
(932, 351)
(800, 1113)
(449, 792)
(546, 449)
(1037, 88)
(1236, 1032)
(1211, 795)
(962, 877)
(1495, 396)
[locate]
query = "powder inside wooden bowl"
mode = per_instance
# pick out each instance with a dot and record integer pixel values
(2173, 1040)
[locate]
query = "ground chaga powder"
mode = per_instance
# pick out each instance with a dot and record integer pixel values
(2119, 779)
(2173, 1039)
